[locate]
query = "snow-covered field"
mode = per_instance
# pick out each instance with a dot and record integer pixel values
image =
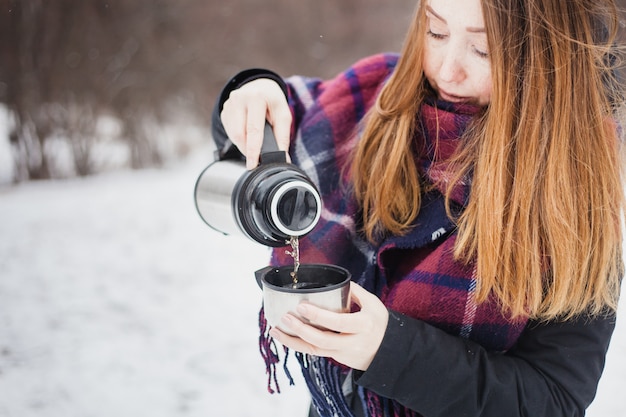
(117, 301)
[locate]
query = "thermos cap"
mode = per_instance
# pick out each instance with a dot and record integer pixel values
(295, 208)
(269, 204)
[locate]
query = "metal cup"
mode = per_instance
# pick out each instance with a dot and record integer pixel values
(325, 286)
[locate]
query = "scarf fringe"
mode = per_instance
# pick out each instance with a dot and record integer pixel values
(324, 380)
(269, 352)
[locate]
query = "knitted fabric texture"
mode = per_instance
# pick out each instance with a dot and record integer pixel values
(414, 274)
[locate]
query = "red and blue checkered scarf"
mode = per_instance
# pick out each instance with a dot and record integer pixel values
(414, 274)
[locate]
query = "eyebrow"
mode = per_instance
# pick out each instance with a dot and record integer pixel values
(439, 17)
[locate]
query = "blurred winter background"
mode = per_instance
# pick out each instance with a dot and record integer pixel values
(115, 299)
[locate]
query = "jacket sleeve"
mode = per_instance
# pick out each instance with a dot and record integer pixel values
(553, 370)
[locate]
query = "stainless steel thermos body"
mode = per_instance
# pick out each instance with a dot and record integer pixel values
(268, 204)
(214, 194)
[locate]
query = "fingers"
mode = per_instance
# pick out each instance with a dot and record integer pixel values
(245, 112)
(280, 119)
(309, 339)
(255, 126)
(346, 323)
(355, 350)
(350, 338)
(337, 322)
(232, 115)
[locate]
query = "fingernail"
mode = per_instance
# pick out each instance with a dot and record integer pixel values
(302, 309)
(286, 319)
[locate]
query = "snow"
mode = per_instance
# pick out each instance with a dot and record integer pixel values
(117, 300)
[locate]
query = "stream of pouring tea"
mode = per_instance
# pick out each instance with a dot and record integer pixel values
(295, 254)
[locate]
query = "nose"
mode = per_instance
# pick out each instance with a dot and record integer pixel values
(452, 69)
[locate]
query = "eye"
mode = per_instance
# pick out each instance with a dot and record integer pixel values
(480, 53)
(434, 35)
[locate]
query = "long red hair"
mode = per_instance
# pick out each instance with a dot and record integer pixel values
(545, 215)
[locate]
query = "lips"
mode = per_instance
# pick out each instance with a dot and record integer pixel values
(444, 95)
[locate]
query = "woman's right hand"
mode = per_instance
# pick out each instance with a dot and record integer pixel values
(244, 114)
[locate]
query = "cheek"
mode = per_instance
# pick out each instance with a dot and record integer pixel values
(430, 63)
(483, 88)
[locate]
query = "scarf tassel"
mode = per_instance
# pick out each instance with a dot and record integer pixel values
(269, 352)
(324, 379)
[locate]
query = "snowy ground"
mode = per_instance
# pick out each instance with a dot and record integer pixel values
(116, 300)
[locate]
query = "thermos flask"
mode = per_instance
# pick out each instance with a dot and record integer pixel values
(269, 204)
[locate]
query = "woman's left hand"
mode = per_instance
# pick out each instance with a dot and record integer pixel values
(351, 338)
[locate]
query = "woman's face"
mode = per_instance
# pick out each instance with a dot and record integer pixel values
(456, 55)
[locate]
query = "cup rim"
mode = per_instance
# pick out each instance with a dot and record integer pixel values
(337, 268)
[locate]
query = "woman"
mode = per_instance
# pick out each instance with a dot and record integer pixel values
(474, 188)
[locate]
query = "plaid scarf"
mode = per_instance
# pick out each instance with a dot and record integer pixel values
(414, 274)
